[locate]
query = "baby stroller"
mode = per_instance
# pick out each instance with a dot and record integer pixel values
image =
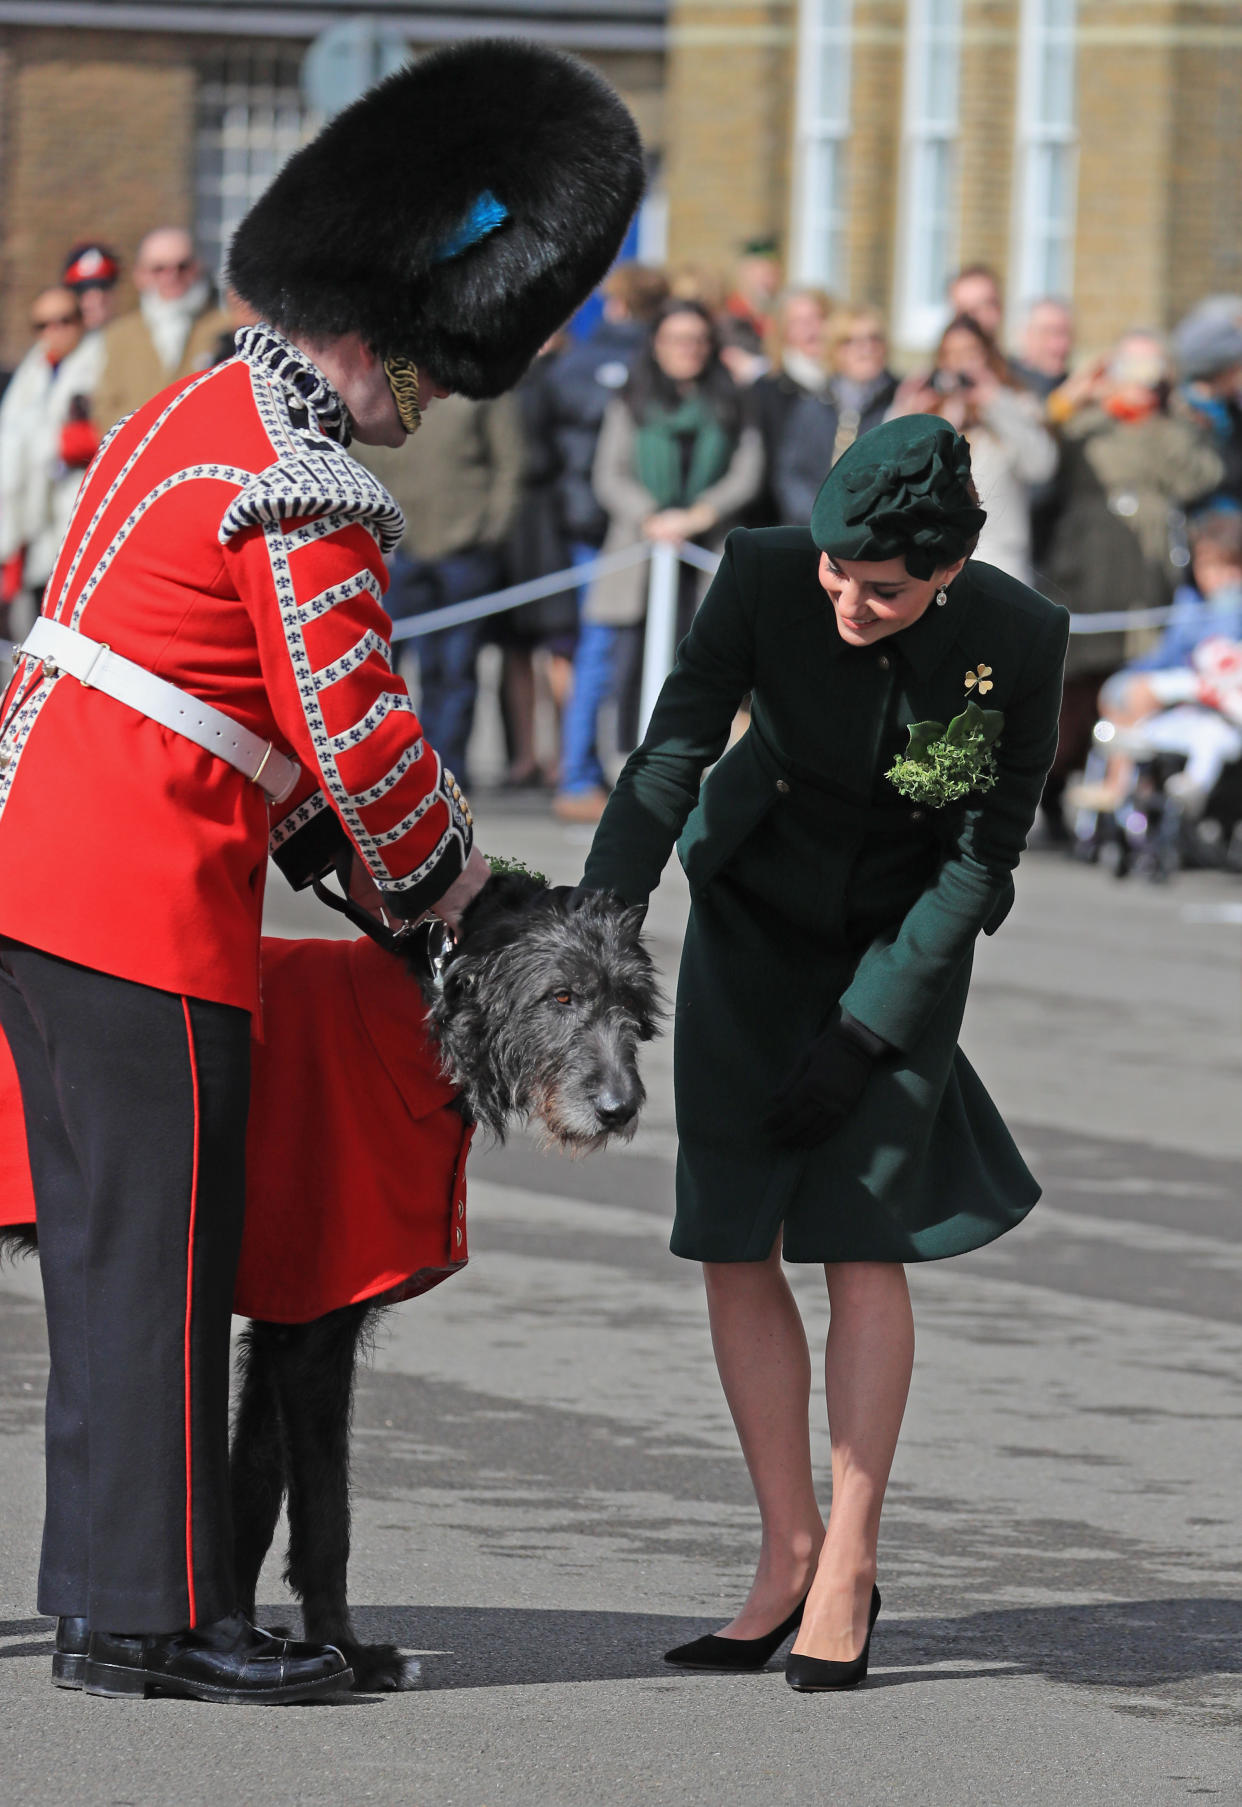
(1183, 804)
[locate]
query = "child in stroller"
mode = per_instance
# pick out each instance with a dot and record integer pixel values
(1163, 784)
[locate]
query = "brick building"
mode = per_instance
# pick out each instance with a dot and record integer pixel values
(120, 115)
(1087, 148)
(1084, 147)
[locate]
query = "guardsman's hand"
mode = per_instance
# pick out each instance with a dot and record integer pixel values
(364, 891)
(468, 884)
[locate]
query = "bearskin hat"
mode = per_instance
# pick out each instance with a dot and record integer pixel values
(456, 214)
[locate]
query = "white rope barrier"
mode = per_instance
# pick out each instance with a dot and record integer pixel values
(660, 643)
(496, 602)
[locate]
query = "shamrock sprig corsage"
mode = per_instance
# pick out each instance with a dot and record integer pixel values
(944, 763)
(501, 866)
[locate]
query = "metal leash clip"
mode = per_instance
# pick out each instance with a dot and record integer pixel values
(429, 941)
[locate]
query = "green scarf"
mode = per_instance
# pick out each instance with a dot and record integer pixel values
(658, 455)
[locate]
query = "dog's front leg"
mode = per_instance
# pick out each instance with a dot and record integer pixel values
(316, 1396)
(257, 1457)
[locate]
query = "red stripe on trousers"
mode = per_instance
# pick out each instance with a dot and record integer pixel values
(189, 1304)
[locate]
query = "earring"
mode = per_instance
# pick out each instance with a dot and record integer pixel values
(942, 596)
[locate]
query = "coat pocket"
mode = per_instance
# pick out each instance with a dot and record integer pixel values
(734, 800)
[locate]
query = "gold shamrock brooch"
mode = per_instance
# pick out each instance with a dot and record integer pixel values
(982, 677)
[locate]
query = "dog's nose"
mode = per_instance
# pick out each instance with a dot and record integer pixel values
(612, 1111)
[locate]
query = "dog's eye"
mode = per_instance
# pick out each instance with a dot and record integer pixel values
(562, 997)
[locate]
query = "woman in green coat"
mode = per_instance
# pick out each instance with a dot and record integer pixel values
(842, 859)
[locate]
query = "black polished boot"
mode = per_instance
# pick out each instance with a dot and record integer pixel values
(229, 1660)
(69, 1656)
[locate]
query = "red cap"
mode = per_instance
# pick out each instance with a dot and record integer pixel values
(91, 267)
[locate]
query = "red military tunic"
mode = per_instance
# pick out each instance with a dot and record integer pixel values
(225, 540)
(355, 1155)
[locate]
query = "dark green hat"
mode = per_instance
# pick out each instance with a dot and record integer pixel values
(900, 491)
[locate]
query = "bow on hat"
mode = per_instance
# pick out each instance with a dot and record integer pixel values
(933, 470)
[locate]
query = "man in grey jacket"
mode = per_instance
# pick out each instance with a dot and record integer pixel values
(457, 484)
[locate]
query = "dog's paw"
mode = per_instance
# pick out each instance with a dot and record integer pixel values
(382, 1669)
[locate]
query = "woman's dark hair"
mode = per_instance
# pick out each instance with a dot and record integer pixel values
(997, 362)
(973, 493)
(648, 386)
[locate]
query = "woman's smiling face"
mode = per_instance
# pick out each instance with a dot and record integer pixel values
(873, 600)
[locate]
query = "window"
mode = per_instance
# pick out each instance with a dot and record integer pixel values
(928, 231)
(823, 132)
(1046, 163)
(251, 118)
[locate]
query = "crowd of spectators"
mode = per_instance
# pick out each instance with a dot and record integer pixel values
(691, 404)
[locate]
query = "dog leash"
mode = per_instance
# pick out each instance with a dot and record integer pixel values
(424, 946)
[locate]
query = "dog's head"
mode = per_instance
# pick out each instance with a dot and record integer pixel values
(542, 1005)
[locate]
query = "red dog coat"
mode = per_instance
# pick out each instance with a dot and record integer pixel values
(356, 1156)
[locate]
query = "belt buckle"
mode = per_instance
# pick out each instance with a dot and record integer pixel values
(257, 774)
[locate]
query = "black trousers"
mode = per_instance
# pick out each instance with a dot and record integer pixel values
(135, 1103)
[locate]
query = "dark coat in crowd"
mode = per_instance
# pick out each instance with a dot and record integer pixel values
(577, 389)
(817, 430)
(538, 543)
(775, 396)
(1220, 418)
(1119, 486)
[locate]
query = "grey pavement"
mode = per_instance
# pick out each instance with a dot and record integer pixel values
(548, 1493)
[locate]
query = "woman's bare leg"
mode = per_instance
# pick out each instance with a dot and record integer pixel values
(556, 676)
(518, 677)
(869, 1358)
(765, 1369)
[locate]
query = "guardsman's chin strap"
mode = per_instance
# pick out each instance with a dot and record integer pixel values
(402, 374)
(485, 216)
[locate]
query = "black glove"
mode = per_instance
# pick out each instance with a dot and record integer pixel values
(825, 1085)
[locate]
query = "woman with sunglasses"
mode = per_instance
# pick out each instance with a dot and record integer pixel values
(843, 857)
(47, 440)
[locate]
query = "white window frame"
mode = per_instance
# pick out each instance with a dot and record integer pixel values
(1042, 245)
(250, 117)
(927, 236)
(819, 235)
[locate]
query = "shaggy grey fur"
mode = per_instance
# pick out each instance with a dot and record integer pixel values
(541, 1009)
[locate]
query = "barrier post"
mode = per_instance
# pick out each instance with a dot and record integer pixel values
(661, 639)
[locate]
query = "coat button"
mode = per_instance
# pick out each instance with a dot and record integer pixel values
(782, 786)
(883, 661)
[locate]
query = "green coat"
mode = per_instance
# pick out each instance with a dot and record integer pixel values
(816, 885)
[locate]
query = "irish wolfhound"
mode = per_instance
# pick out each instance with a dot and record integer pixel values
(539, 1011)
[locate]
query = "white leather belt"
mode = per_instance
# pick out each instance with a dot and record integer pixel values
(97, 667)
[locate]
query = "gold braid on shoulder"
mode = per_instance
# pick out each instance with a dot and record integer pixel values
(402, 374)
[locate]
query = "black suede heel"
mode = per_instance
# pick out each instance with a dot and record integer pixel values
(814, 1675)
(735, 1655)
